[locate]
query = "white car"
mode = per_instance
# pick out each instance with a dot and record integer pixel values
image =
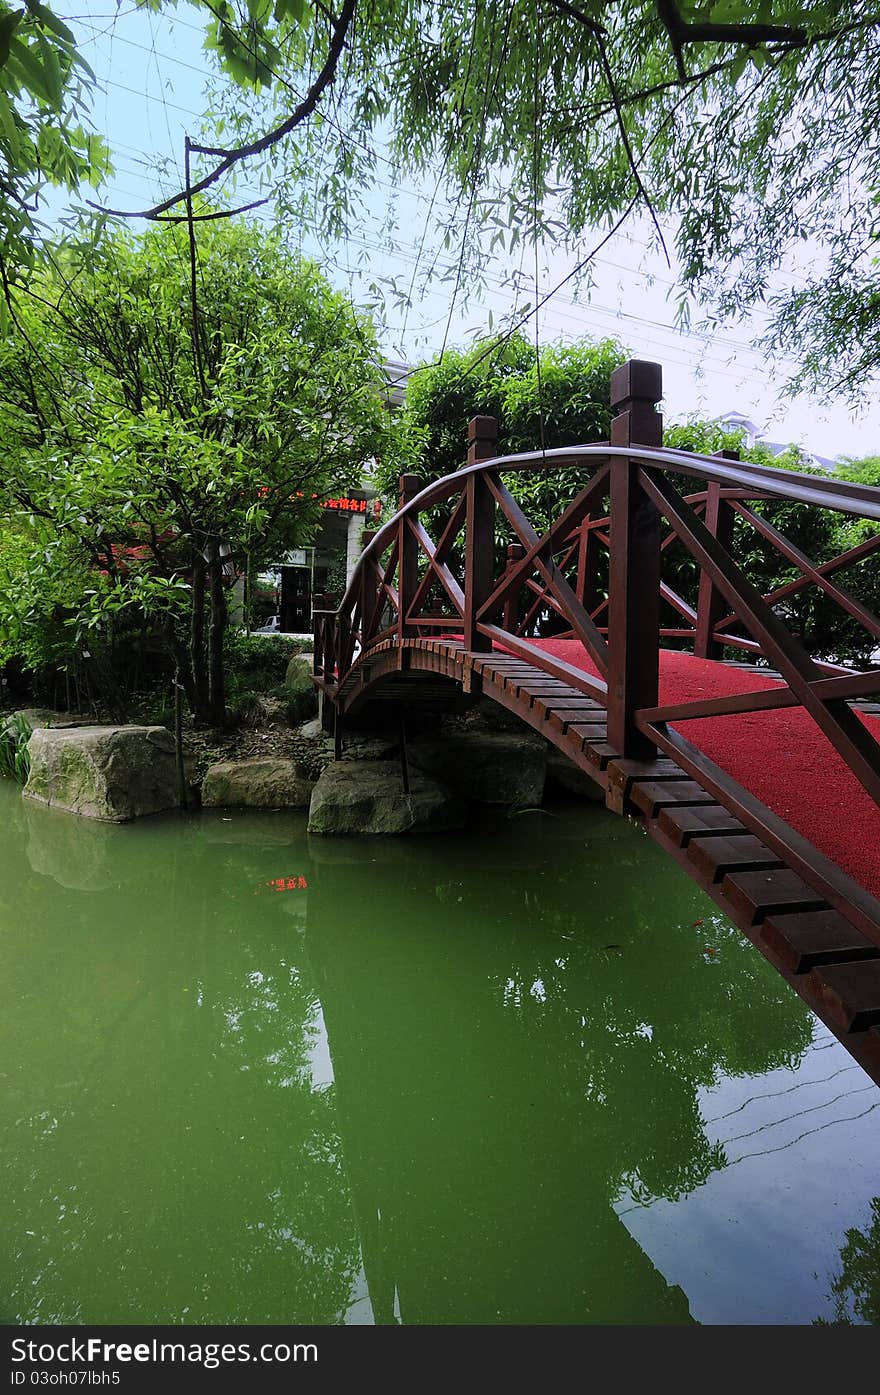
(271, 627)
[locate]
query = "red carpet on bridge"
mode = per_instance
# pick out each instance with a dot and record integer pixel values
(781, 756)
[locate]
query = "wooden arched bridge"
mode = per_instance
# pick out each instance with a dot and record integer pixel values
(760, 776)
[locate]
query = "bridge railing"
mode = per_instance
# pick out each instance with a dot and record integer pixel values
(598, 571)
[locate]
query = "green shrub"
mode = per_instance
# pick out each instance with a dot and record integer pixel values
(257, 663)
(15, 761)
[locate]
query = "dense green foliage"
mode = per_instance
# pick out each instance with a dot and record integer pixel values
(823, 627)
(856, 1289)
(751, 124)
(558, 399)
(45, 84)
(144, 464)
(257, 663)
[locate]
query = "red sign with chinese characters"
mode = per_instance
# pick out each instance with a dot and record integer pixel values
(343, 504)
(346, 505)
(287, 884)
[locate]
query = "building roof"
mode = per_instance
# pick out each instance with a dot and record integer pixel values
(739, 420)
(396, 372)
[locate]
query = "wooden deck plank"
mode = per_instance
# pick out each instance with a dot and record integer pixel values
(755, 895)
(849, 993)
(563, 718)
(556, 692)
(809, 939)
(598, 753)
(715, 857)
(622, 774)
(531, 690)
(681, 825)
(652, 795)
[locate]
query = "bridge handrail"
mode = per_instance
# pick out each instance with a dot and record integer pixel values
(618, 621)
(842, 496)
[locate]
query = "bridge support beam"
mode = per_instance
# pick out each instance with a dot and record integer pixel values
(408, 561)
(480, 531)
(711, 606)
(634, 579)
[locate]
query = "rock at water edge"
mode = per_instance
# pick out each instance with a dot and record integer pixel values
(355, 797)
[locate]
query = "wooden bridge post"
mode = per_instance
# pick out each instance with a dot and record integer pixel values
(711, 605)
(323, 659)
(480, 535)
(368, 600)
(634, 571)
(408, 560)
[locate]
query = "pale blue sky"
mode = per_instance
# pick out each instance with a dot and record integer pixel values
(152, 73)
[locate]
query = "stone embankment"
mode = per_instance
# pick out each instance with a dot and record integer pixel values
(117, 773)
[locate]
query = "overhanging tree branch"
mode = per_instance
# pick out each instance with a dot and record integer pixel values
(682, 31)
(624, 136)
(574, 13)
(265, 142)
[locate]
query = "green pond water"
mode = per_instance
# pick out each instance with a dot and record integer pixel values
(525, 1074)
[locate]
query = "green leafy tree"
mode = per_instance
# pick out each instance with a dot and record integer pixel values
(564, 393)
(855, 1291)
(750, 124)
(45, 86)
(558, 398)
(153, 443)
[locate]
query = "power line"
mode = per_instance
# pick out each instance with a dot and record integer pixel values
(774, 1094)
(812, 1109)
(740, 345)
(418, 195)
(582, 312)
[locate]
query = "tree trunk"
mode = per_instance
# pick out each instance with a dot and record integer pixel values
(199, 697)
(217, 677)
(183, 664)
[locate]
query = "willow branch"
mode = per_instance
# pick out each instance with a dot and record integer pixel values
(624, 136)
(573, 13)
(265, 142)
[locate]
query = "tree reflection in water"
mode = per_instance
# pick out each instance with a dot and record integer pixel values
(519, 1028)
(855, 1291)
(167, 1157)
(520, 1020)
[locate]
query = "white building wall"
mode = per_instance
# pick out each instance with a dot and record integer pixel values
(353, 543)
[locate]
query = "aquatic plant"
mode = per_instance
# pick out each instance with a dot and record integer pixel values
(15, 761)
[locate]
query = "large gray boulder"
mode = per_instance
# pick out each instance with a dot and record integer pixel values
(313, 731)
(491, 767)
(110, 773)
(366, 796)
(299, 671)
(301, 695)
(266, 783)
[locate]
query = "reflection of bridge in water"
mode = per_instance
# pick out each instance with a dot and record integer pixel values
(526, 1038)
(498, 1089)
(764, 784)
